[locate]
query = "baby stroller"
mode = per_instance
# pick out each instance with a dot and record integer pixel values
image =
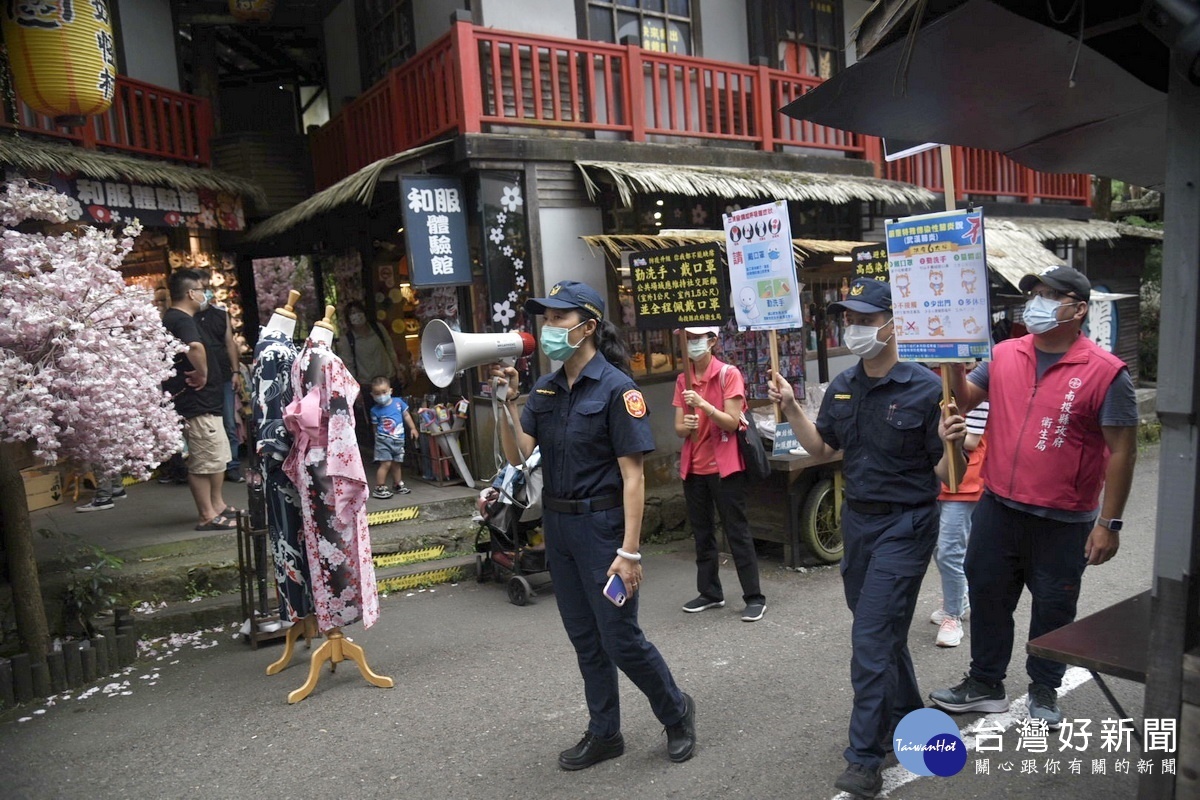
(508, 546)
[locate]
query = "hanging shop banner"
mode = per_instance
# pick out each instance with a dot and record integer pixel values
(152, 205)
(505, 250)
(940, 286)
(762, 268)
(435, 229)
(870, 261)
(678, 287)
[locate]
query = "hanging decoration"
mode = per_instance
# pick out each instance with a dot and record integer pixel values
(252, 10)
(62, 56)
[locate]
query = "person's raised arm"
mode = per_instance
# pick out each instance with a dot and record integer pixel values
(780, 391)
(516, 444)
(968, 394)
(951, 428)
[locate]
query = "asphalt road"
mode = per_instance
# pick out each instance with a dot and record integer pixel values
(487, 694)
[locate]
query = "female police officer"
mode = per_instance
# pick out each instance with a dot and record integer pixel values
(589, 418)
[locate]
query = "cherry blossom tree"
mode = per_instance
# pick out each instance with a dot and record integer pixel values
(82, 360)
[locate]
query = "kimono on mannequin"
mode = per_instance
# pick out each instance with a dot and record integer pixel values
(271, 387)
(326, 467)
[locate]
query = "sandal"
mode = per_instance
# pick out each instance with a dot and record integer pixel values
(218, 523)
(230, 513)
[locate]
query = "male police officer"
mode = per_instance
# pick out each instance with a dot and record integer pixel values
(885, 417)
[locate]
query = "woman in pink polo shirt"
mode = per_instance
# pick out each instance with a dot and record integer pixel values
(707, 418)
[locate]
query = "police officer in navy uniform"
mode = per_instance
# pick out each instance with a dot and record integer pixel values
(884, 415)
(590, 420)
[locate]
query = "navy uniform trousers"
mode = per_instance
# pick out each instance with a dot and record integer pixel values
(579, 550)
(885, 559)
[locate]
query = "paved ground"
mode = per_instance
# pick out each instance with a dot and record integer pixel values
(487, 694)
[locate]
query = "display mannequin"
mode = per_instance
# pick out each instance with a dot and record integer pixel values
(326, 468)
(271, 389)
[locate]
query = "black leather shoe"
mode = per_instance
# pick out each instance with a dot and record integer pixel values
(592, 749)
(681, 737)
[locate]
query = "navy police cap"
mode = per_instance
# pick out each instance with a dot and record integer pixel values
(867, 296)
(569, 294)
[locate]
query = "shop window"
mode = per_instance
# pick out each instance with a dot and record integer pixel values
(804, 37)
(385, 36)
(664, 26)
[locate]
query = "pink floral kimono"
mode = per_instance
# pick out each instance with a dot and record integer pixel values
(326, 468)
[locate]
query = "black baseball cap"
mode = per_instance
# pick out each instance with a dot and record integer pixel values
(1063, 279)
(569, 294)
(867, 296)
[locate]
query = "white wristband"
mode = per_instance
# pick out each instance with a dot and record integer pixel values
(629, 556)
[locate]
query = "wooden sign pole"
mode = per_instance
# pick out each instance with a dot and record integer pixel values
(688, 376)
(948, 186)
(775, 370)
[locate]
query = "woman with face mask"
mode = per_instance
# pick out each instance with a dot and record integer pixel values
(884, 415)
(590, 421)
(367, 351)
(706, 418)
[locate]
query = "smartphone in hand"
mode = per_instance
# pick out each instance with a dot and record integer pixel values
(614, 590)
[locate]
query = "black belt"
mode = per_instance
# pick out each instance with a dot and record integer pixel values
(583, 506)
(878, 509)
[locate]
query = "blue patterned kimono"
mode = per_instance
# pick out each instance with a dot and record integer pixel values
(271, 385)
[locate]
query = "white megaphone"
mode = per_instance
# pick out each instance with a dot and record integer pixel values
(446, 352)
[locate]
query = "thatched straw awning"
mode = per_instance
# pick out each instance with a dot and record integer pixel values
(615, 245)
(1012, 253)
(1045, 229)
(37, 156)
(357, 188)
(775, 184)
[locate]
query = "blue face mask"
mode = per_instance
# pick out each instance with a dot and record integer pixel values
(383, 399)
(555, 343)
(1041, 314)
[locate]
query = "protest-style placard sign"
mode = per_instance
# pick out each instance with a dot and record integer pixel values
(678, 287)
(939, 283)
(762, 279)
(762, 268)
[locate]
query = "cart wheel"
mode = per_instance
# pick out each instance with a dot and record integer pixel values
(519, 591)
(818, 523)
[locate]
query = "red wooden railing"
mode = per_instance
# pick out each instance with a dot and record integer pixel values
(144, 119)
(476, 79)
(988, 174)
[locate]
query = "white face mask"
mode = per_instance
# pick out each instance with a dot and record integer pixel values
(1041, 314)
(863, 341)
(697, 348)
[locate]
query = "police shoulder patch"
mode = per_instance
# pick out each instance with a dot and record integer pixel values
(635, 404)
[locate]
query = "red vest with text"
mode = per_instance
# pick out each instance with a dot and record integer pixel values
(1045, 445)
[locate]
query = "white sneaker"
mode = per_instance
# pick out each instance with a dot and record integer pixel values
(939, 616)
(950, 633)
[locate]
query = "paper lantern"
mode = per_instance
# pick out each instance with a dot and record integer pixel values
(62, 57)
(252, 10)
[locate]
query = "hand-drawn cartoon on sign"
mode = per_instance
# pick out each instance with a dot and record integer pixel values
(939, 286)
(762, 268)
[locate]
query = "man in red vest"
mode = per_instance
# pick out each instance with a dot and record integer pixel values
(1062, 425)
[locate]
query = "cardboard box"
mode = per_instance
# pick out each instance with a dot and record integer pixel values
(43, 487)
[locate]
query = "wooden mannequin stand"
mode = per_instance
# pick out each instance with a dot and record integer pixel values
(337, 648)
(307, 627)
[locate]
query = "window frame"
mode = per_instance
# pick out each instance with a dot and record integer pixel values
(583, 10)
(372, 66)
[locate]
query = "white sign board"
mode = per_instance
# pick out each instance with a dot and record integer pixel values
(939, 275)
(762, 268)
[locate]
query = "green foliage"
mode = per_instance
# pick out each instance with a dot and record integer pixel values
(91, 578)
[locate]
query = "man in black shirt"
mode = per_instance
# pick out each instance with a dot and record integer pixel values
(216, 326)
(196, 392)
